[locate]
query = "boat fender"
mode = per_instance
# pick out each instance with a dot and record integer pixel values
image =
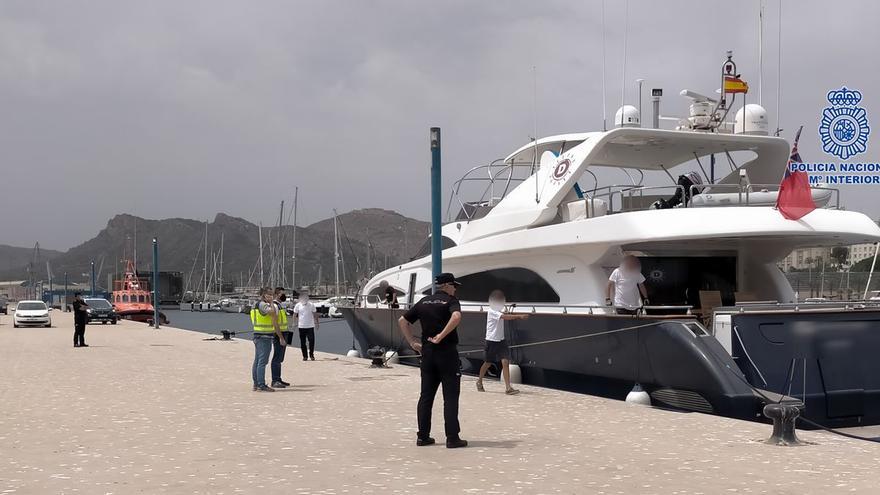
(515, 373)
(638, 396)
(391, 357)
(353, 353)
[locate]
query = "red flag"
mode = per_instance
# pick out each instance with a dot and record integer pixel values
(795, 196)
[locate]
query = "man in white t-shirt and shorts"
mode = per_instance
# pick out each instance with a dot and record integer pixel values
(625, 285)
(307, 322)
(497, 349)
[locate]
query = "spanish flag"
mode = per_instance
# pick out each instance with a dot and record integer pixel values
(735, 85)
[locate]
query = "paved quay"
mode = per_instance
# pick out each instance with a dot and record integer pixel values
(164, 411)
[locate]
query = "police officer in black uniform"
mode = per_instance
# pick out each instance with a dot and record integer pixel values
(439, 315)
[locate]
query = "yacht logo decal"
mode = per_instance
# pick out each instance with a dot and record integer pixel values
(563, 167)
(844, 127)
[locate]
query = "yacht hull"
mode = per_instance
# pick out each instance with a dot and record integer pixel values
(674, 359)
(828, 358)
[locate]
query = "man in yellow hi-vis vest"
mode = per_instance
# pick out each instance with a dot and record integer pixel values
(264, 317)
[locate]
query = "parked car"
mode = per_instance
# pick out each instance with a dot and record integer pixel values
(31, 313)
(101, 310)
(4, 305)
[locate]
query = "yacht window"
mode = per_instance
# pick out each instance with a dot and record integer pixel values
(518, 284)
(141, 298)
(425, 250)
(125, 298)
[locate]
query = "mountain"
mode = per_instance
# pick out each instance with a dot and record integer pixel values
(367, 238)
(12, 257)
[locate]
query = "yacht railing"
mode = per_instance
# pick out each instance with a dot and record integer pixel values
(620, 198)
(499, 178)
(375, 301)
(801, 306)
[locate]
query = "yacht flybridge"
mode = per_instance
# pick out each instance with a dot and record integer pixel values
(549, 227)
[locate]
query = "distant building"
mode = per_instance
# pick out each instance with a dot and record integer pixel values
(802, 259)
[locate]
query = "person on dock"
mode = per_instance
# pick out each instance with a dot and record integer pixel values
(307, 322)
(279, 349)
(497, 349)
(264, 317)
(80, 318)
(439, 314)
(625, 285)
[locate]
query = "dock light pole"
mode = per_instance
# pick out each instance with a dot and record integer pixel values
(436, 244)
(155, 283)
(64, 303)
(93, 279)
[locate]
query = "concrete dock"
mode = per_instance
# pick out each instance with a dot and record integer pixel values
(164, 411)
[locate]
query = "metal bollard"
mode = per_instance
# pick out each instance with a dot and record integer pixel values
(783, 417)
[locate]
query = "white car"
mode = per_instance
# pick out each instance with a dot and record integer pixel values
(31, 313)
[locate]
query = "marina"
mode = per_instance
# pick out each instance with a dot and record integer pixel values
(165, 411)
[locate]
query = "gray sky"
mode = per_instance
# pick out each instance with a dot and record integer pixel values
(170, 108)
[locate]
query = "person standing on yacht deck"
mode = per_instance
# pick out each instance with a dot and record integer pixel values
(625, 285)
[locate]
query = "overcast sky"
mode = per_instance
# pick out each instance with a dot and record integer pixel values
(186, 108)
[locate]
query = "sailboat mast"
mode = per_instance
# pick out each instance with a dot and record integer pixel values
(205, 297)
(336, 251)
(220, 277)
(261, 257)
(278, 262)
(293, 262)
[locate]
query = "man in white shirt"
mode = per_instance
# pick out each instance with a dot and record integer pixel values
(625, 285)
(307, 321)
(497, 349)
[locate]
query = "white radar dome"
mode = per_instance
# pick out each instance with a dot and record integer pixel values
(627, 116)
(751, 119)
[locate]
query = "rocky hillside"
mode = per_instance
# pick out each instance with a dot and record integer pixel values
(368, 238)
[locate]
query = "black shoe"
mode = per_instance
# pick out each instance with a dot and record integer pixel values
(305, 359)
(278, 384)
(265, 388)
(313, 358)
(76, 345)
(422, 442)
(455, 443)
(284, 383)
(84, 345)
(255, 388)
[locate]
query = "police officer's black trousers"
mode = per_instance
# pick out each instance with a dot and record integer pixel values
(79, 333)
(440, 365)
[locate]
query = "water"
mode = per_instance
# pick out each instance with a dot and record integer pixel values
(333, 334)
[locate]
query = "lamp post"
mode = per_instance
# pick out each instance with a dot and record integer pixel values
(436, 244)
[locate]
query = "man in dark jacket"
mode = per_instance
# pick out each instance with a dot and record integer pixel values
(683, 192)
(80, 318)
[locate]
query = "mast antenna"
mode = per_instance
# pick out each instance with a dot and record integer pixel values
(761, 52)
(623, 77)
(779, 71)
(604, 91)
(535, 116)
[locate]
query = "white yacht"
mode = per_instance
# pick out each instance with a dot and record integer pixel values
(548, 232)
